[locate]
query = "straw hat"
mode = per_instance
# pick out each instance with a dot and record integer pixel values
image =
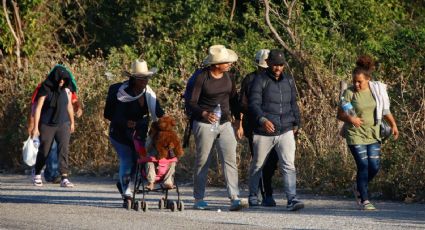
(261, 56)
(139, 69)
(219, 54)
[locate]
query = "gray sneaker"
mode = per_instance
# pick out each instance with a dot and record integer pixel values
(253, 200)
(294, 205)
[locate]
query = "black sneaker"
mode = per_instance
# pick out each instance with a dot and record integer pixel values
(294, 205)
(269, 201)
(253, 200)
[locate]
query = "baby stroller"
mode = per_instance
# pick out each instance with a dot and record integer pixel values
(162, 166)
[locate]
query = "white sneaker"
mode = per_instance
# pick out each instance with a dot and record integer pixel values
(36, 180)
(66, 183)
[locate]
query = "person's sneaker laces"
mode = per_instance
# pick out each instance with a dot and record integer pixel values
(200, 205)
(294, 205)
(269, 201)
(66, 183)
(253, 200)
(36, 180)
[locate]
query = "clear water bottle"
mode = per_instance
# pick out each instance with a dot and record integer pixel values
(347, 107)
(215, 126)
(36, 142)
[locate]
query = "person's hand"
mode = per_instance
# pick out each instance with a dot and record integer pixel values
(131, 124)
(209, 116)
(356, 121)
(239, 129)
(268, 126)
(72, 127)
(395, 132)
(296, 132)
(35, 132)
(79, 112)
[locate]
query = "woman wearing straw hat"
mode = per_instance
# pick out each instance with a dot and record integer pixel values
(214, 86)
(130, 106)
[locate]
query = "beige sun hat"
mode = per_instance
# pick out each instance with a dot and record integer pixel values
(220, 54)
(139, 69)
(260, 58)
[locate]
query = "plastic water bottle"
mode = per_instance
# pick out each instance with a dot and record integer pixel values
(215, 126)
(347, 107)
(36, 142)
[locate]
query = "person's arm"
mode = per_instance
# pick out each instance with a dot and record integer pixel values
(40, 102)
(294, 106)
(70, 112)
(197, 112)
(255, 103)
(30, 121)
(343, 116)
(391, 120)
(235, 109)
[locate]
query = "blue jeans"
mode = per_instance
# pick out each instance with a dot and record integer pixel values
(368, 162)
(51, 172)
(128, 159)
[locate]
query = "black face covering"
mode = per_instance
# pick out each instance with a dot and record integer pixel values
(51, 85)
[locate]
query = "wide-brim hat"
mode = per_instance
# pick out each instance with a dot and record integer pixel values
(139, 69)
(220, 54)
(260, 58)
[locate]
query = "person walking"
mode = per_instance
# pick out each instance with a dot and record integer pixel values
(214, 88)
(273, 104)
(130, 105)
(54, 120)
(370, 103)
(248, 122)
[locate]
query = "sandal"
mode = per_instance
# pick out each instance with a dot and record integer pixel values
(168, 186)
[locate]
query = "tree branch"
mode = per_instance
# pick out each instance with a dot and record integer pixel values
(18, 41)
(233, 10)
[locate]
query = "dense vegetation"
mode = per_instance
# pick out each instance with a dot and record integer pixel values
(322, 38)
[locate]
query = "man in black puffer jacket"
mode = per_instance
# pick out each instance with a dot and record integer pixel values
(272, 102)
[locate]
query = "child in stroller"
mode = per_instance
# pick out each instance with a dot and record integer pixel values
(157, 162)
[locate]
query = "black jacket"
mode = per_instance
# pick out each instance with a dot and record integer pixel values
(274, 100)
(120, 112)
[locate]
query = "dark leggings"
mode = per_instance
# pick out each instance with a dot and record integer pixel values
(61, 134)
(269, 168)
(368, 162)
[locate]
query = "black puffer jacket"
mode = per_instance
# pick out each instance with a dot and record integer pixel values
(274, 100)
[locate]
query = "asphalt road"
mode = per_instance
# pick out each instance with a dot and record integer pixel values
(95, 204)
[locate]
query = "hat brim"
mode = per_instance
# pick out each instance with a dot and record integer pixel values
(263, 65)
(233, 57)
(141, 75)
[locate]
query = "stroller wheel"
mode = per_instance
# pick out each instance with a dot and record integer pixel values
(137, 206)
(180, 206)
(161, 203)
(145, 206)
(127, 204)
(173, 206)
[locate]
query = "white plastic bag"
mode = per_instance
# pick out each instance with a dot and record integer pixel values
(30, 150)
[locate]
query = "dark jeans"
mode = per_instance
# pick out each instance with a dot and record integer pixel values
(48, 133)
(368, 162)
(51, 172)
(268, 171)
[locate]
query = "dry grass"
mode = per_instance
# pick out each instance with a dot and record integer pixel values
(323, 162)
